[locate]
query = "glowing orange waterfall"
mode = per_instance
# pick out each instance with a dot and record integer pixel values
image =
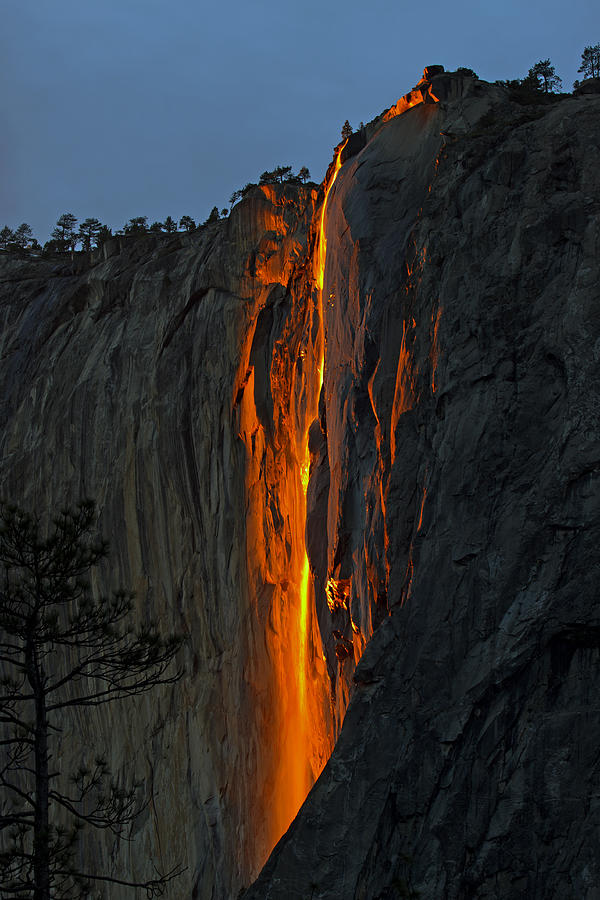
(307, 712)
(304, 740)
(319, 275)
(321, 253)
(306, 728)
(288, 678)
(276, 399)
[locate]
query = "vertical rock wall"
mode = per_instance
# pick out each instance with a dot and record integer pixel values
(167, 380)
(460, 419)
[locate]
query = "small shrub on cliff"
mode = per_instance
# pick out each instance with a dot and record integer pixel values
(88, 232)
(590, 62)
(346, 130)
(6, 237)
(544, 75)
(52, 247)
(187, 223)
(64, 234)
(136, 225)
(213, 216)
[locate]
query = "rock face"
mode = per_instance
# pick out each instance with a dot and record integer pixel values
(452, 512)
(142, 381)
(588, 86)
(461, 407)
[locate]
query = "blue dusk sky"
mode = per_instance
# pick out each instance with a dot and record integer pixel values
(120, 108)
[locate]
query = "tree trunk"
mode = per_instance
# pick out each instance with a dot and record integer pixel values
(41, 833)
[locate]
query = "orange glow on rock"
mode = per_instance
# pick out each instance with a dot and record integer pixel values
(286, 677)
(435, 320)
(338, 593)
(296, 707)
(305, 730)
(321, 253)
(309, 747)
(422, 508)
(406, 102)
(421, 93)
(404, 396)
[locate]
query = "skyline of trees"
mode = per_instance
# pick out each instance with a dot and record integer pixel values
(92, 233)
(65, 236)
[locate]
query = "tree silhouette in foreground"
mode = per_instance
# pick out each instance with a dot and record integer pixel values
(63, 649)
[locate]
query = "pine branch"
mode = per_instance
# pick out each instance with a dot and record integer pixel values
(155, 887)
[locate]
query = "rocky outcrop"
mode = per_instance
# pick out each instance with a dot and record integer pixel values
(588, 86)
(451, 515)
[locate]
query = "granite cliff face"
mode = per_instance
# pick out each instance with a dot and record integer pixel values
(461, 402)
(451, 516)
